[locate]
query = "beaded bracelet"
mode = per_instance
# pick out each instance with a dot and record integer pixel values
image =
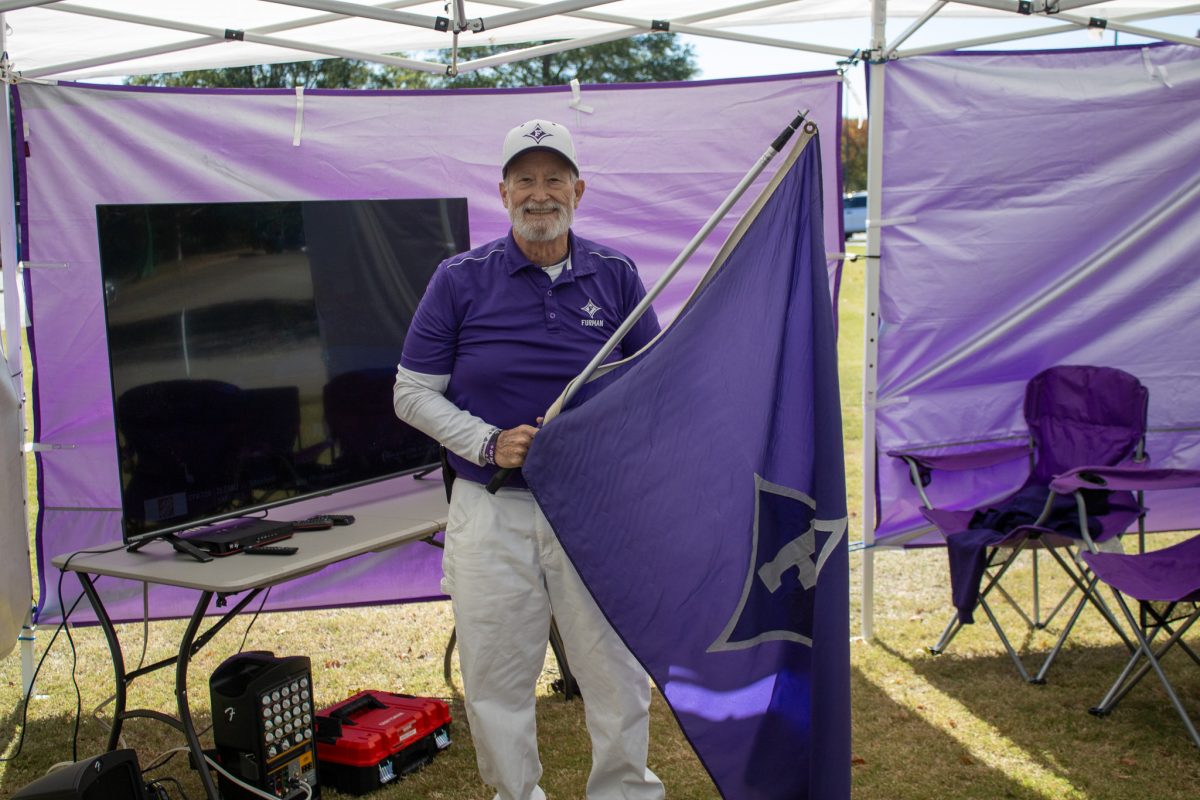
(489, 447)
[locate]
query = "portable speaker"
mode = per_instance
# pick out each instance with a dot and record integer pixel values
(111, 776)
(262, 708)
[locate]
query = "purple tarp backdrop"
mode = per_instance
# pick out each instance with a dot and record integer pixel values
(658, 160)
(1038, 209)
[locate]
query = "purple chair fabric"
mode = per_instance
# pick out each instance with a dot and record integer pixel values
(1168, 575)
(1159, 581)
(1079, 417)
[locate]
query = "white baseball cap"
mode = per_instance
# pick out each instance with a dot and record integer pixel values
(539, 134)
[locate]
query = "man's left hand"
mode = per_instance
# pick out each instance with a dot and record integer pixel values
(513, 444)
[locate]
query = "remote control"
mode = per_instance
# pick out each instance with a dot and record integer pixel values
(271, 550)
(322, 521)
(314, 524)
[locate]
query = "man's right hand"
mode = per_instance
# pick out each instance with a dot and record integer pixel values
(513, 444)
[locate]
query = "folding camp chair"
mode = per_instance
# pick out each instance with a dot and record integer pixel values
(1078, 416)
(1164, 583)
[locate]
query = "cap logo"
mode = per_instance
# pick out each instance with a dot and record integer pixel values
(537, 134)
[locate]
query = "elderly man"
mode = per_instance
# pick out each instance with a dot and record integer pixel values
(500, 331)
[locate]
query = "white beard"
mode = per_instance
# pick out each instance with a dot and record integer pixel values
(541, 228)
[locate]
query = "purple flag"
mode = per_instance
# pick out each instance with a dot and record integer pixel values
(701, 496)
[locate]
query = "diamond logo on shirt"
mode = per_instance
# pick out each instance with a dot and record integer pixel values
(537, 134)
(590, 309)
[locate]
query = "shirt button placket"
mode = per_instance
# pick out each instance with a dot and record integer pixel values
(551, 310)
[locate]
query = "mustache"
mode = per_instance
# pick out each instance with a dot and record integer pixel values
(550, 206)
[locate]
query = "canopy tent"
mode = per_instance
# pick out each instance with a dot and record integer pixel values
(120, 37)
(88, 146)
(65, 40)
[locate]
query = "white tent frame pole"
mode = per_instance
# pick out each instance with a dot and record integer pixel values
(366, 12)
(219, 33)
(1037, 9)
(914, 27)
(146, 52)
(1056, 29)
(877, 70)
(713, 33)
(617, 19)
(545, 49)
(729, 11)
(1116, 25)
(132, 55)
(696, 30)
(14, 324)
(13, 5)
(564, 7)
(1000, 37)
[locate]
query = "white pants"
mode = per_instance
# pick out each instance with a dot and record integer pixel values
(506, 575)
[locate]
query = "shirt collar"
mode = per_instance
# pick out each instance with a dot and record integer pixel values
(515, 260)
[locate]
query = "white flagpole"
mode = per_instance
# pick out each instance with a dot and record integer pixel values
(501, 477)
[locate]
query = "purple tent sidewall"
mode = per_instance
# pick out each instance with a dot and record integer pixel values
(667, 152)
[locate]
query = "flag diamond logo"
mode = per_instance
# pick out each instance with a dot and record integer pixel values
(590, 309)
(790, 545)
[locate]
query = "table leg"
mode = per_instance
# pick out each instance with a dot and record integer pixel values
(118, 659)
(181, 695)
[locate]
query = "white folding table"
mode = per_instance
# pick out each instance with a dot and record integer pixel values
(378, 526)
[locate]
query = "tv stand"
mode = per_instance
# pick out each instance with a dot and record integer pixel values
(180, 544)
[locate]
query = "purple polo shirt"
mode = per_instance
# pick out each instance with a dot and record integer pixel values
(510, 340)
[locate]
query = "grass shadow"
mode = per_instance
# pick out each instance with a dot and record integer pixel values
(1142, 744)
(900, 752)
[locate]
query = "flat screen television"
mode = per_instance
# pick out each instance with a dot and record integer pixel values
(253, 347)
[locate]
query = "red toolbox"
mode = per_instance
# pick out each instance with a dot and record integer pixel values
(374, 737)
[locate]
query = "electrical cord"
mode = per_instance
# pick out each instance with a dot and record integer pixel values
(160, 760)
(49, 647)
(303, 785)
(254, 619)
(74, 659)
(158, 788)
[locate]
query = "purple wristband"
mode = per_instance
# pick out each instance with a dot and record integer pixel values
(489, 449)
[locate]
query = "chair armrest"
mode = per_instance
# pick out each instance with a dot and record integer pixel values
(922, 465)
(1125, 479)
(956, 462)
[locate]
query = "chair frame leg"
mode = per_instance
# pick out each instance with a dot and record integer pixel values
(1122, 687)
(1086, 583)
(1128, 678)
(954, 626)
(1012, 653)
(1081, 580)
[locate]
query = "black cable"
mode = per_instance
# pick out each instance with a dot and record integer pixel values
(178, 785)
(74, 661)
(160, 764)
(254, 619)
(38, 669)
(75, 683)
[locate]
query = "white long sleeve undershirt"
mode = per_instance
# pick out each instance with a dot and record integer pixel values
(420, 400)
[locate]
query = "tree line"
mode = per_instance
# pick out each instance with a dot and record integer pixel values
(637, 59)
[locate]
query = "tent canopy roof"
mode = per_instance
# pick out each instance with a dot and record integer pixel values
(121, 37)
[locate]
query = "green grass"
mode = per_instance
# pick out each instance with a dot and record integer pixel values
(961, 725)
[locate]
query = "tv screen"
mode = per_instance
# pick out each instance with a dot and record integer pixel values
(253, 347)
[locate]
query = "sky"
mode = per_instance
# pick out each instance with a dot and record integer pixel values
(719, 58)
